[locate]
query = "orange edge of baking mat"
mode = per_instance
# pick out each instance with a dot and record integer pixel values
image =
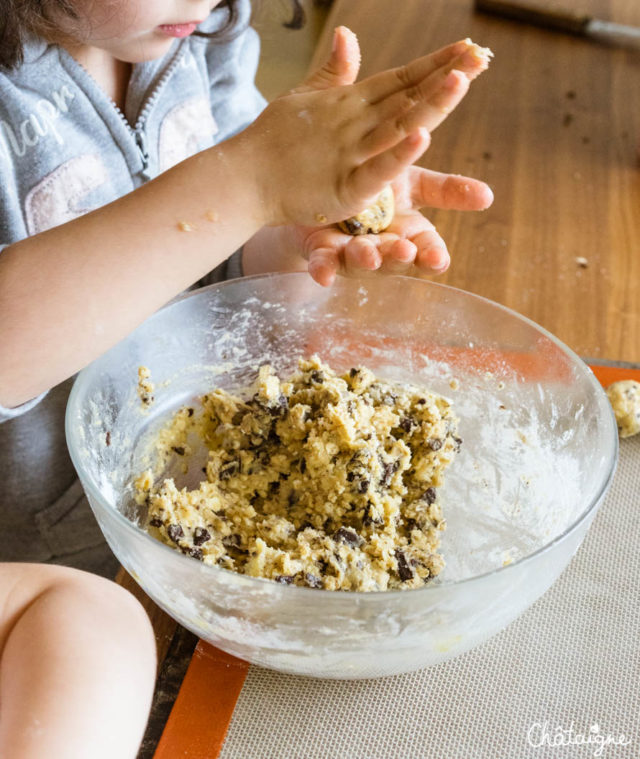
(201, 714)
(198, 723)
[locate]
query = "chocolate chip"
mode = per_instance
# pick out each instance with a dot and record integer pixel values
(421, 401)
(429, 495)
(280, 407)
(353, 371)
(312, 581)
(293, 498)
(175, 532)
(368, 519)
(274, 487)
(231, 541)
(155, 522)
(178, 449)
(237, 418)
(317, 376)
(189, 411)
(408, 423)
(196, 553)
(404, 570)
(107, 438)
(273, 436)
(229, 469)
(350, 476)
(200, 536)
(303, 466)
(434, 443)
(348, 536)
(353, 226)
(362, 486)
(388, 470)
(285, 579)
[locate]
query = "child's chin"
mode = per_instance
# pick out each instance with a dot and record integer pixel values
(152, 47)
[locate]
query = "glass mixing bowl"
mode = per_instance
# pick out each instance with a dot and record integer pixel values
(538, 454)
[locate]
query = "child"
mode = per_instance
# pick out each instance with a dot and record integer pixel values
(136, 156)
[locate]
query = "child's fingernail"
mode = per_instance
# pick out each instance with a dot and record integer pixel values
(334, 44)
(439, 261)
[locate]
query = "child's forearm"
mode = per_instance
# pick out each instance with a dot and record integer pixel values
(70, 293)
(272, 249)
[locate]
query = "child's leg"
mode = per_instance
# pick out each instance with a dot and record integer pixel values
(77, 665)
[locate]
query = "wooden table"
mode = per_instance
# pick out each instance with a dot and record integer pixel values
(554, 127)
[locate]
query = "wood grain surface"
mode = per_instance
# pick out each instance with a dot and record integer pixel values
(554, 128)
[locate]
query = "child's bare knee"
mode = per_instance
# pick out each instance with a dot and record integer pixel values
(100, 603)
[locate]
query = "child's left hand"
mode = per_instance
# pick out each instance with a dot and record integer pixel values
(410, 245)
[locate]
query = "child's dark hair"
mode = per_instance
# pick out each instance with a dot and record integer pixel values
(22, 17)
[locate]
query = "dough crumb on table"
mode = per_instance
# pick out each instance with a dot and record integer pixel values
(321, 480)
(625, 400)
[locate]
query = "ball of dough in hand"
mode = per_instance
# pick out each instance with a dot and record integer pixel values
(374, 219)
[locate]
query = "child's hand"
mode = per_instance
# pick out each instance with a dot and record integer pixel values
(410, 245)
(323, 152)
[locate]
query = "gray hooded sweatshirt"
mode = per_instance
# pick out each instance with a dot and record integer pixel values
(65, 149)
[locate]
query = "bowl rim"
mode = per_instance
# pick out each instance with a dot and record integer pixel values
(348, 596)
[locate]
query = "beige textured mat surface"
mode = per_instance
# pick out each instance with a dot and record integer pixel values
(568, 668)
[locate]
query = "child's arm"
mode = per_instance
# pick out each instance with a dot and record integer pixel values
(317, 156)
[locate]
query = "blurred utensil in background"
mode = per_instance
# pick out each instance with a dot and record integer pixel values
(572, 22)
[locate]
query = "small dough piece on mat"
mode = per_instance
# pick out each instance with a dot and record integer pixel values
(374, 219)
(625, 400)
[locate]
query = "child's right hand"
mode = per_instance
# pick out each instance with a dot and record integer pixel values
(323, 152)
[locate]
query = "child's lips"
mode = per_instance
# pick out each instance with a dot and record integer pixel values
(178, 30)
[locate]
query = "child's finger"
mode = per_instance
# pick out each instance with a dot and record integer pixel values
(450, 191)
(428, 106)
(342, 66)
(324, 264)
(398, 255)
(432, 253)
(360, 254)
(465, 56)
(370, 177)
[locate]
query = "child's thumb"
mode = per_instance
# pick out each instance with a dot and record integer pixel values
(342, 66)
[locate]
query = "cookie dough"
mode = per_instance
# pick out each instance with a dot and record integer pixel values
(145, 386)
(374, 219)
(625, 400)
(322, 480)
